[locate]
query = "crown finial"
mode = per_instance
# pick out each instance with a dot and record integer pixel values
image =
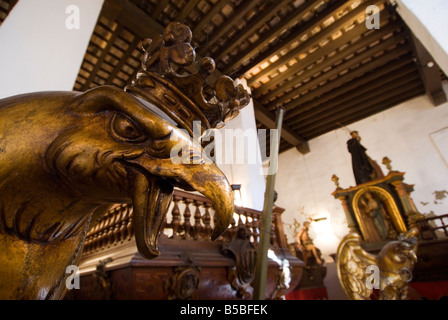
(387, 162)
(335, 179)
(167, 81)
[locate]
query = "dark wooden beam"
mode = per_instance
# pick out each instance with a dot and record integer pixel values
(9, 5)
(187, 10)
(383, 46)
(378, 92)
(384, 98)
(356, 93)
(284, 145)
(126, 13)
(287, 22)
(312, 58)
(236, 17)
(312, 41)
(264, 116)
(377, 62)
(285, 148)
(429, 70)
(208, 17)
(159, 8)
(104, 53)
(253, 26)
(399, 98)
(123, 61)
(328, 62)
(372, 76)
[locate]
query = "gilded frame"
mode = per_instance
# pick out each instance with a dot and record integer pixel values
(392, 210)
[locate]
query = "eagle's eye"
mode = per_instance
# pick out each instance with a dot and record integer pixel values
(123, 128)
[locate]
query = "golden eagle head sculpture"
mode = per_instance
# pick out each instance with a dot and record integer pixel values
(66, 157)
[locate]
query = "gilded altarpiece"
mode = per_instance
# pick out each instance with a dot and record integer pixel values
(379, 210)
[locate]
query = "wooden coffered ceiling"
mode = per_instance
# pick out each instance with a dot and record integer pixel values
(316, 58)
(5, 7)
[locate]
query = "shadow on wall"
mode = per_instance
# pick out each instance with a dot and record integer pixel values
(331, 281)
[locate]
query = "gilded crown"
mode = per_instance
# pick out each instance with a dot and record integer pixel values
(166, 81)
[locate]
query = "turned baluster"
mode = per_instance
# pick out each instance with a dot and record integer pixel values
(105, 240)
(240, 220)
(187, 215)
(232, 229)
(96, 243)
(93, 237)
(86, 247)
(207, 221)
(88, 241)
(256, 228)
(118, 224)
(129, 226)
(99, 236)
(101, 233)
(99, 243)
(111, 227)
(175, 213)
(119, 218)
(197, 220)
(273, 237)
(215, 219)
(248, 225)
(124, 222)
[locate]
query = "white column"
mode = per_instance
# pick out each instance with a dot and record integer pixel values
(249, 171)
(429, 22)
(43, 44)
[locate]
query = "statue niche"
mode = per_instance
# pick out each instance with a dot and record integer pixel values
(376, 215)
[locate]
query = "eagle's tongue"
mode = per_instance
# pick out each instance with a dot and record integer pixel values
(151, 198)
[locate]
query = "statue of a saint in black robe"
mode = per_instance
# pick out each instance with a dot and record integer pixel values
(363, 168)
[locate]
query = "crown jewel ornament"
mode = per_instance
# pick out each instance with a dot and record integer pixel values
(166, 81)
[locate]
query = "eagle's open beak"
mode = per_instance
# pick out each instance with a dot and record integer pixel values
(153, 182)
(153, 173)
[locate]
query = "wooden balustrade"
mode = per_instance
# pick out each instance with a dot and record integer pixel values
(189, 218)
(433, 228)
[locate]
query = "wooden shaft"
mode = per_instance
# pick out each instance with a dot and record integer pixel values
(261, 268)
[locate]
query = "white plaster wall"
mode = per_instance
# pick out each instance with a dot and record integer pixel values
(428, 21)
(38, 52)
(247, 168)
(404, 133)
